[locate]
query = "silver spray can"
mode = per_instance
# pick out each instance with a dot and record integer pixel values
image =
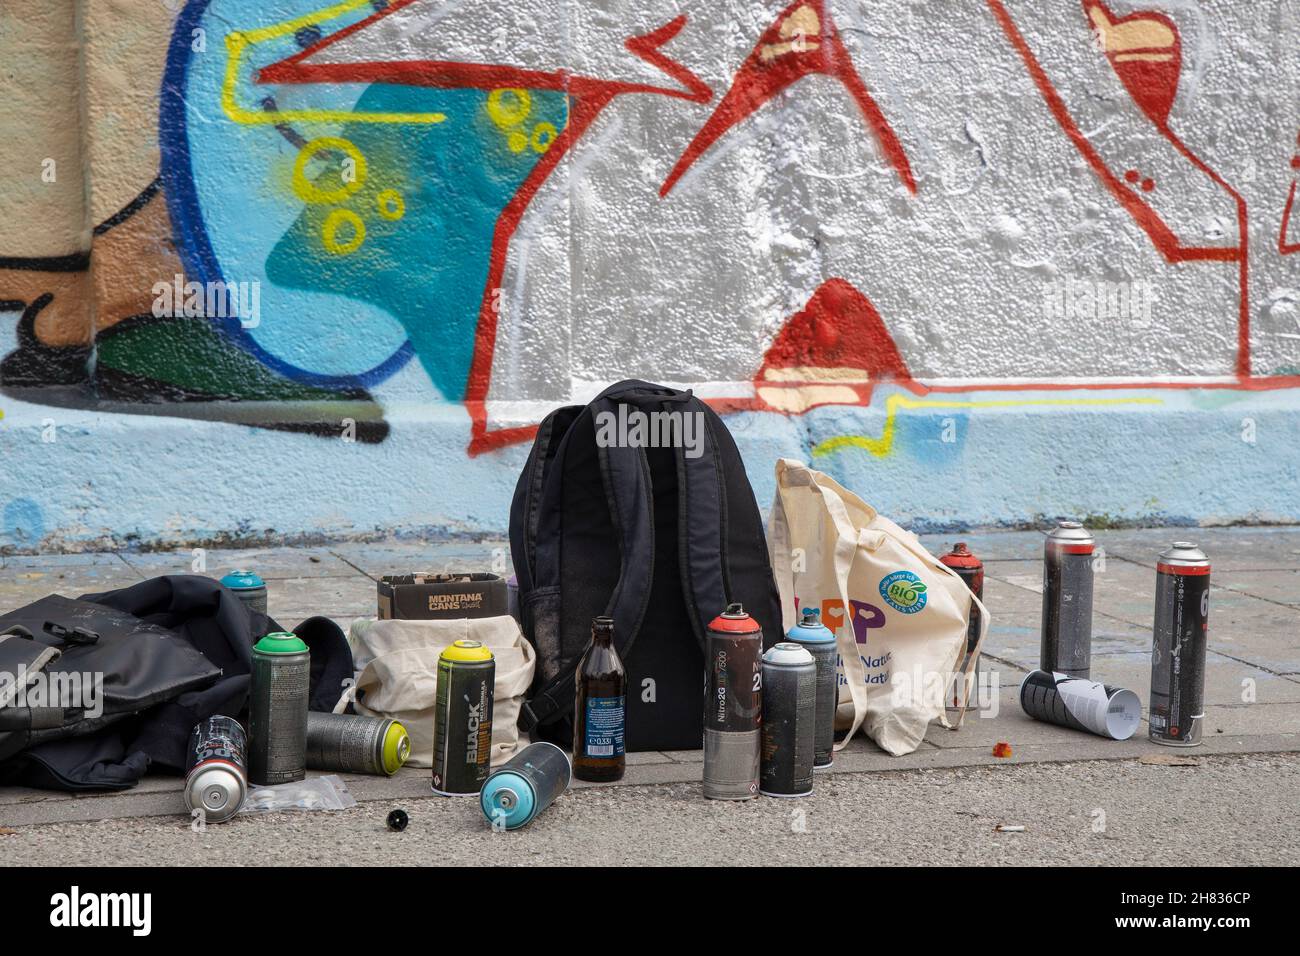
(277, 726)
(354, 743)
(1081, 704)
(1067, 601)
(1182, 622)
(818, 641)
(789, 721)
(216, 769)
(733, 705)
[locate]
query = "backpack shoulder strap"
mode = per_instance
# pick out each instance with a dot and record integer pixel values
(625, 477)
(701, 515)
(526, 506)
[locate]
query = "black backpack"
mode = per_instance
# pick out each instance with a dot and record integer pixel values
(658, 540)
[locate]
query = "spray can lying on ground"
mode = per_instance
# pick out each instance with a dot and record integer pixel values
(249, 588)
(1081, 704)
(462, 740)
(1067, 601)
(216, 769)
(1182, 622)
(352, 743)
(733, 699)
(277, 725)
(789, 721)
(971, 570)
(818, 641)
(524, 786)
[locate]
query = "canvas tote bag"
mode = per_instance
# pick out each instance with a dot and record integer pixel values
(397, 676)
(899, 615)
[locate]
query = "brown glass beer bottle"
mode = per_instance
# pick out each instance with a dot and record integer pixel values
(599, 713)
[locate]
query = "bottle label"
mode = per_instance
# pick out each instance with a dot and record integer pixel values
(604, 727)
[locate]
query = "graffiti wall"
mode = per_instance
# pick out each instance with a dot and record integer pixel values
(292, 268)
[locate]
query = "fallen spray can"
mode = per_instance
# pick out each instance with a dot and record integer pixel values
(277, 724)
(733, 699)
(462, 733)
(1081, 704)
(529, 782)
(248, 587)
(789, 721)
(352, 743)
(1067, 601)
(971, 570)
(1182, 620)
(817, 639)
(216, 769)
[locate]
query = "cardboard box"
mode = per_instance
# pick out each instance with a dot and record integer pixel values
(429, 596)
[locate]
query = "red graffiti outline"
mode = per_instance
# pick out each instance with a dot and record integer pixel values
(757, 82)
(593, 95)
(1284, 247)
(1162, 237)
(588, 96)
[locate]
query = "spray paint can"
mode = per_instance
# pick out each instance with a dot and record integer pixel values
(462, 732)
(277, 725)
(216, 769)
(1067, 601)
(789, 721)
(971, 570)
(352, 743)
(249, 588)
(1182, 622)
(1081, 704)
(529, 782)
(733, 705)
(817, 640)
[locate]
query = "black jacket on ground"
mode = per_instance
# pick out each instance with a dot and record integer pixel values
(155, 687)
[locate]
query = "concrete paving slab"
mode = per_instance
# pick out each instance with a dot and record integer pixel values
(271, 564)
(1241, 625)
(407, 557)
(1229, 549)
(28, 578)
(1280, 587)
(1226, 680)
(343, 599)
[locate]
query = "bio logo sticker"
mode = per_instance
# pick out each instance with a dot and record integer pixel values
(903, 591)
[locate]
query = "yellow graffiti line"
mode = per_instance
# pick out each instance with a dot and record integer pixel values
(884, 445)
(237, 44)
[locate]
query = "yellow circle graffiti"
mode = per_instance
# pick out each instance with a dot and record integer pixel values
(353, 172)
(329, 232)
(518, 142)
(391, 205)
(509, 107)
(543, 136)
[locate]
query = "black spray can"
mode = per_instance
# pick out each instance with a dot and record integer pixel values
(733, 705)
(818, 641)
(462, 732)
(277, 724)
(789, 721)
(970, 569)
(1081, 704)
(1067, 601)
(525, 785)
(216, 769)
(1182, 622)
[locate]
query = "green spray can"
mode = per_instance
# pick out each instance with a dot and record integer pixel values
(277, 728)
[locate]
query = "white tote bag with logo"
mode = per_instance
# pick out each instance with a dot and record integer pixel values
(900, 616)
